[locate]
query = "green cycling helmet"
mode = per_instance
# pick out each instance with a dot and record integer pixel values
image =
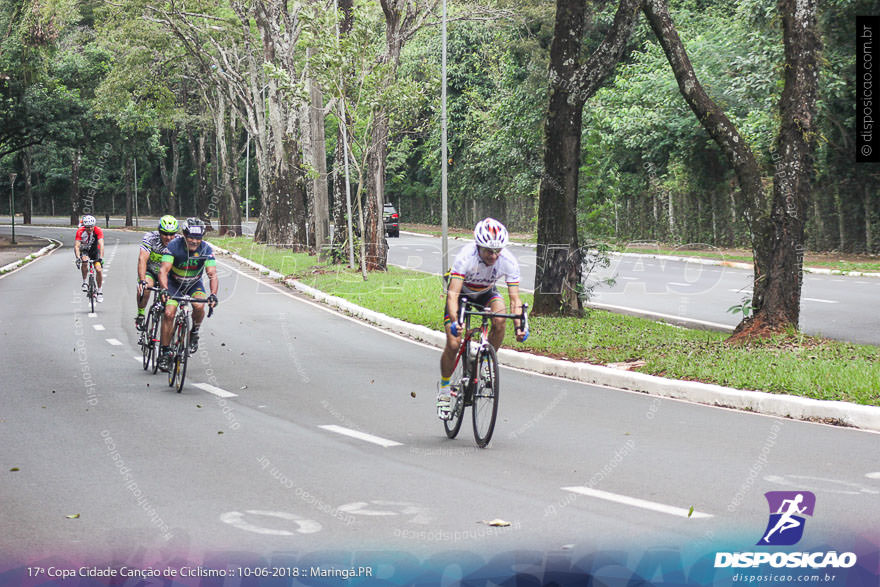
(168, 224)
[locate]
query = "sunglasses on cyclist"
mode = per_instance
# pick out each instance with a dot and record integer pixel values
(492, 251)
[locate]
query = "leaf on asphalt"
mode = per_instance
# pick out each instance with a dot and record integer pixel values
(219, 432)
(412, 393)
(496, 522)
(14, 469)
(198, 405)
(72, 516)
(691, 511)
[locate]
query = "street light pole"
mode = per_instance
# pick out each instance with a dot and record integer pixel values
(12, 177)
(444, 220)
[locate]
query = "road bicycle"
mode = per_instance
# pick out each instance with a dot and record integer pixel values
(92, 281)
(180, 338)
(149, 335)
(475, 382)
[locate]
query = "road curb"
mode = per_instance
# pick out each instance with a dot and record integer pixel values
(28, 258)
(786, 406)
(743, 265)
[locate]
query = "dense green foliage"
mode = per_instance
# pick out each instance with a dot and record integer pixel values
(92, 78)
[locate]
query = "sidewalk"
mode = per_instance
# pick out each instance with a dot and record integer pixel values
(23, 247)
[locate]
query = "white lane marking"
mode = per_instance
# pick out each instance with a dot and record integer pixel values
(98, 327)
(742, 291)
(384, 442)
(93, 315)
(237, 519)
(215, 390)
(639, 503)
(394, 508)
(114, 342)
(873, 475)
(820, 301)
(715, 325)
(680, 284)
(138, 359)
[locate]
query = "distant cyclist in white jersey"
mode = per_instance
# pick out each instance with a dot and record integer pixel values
(474, 272)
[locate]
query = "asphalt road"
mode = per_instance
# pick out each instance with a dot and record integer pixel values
(688, 293)
(315, 450)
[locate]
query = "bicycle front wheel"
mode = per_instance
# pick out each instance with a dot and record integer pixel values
(182, 358)
(146, 341)
(153, 339)
(485, 407)
(457, 383)
(176, 341)
(93, 291)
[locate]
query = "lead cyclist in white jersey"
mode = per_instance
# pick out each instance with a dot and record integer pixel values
(475, 271)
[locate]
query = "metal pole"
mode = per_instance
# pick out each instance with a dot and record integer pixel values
(136, 192)
(12, 177)
(344, 123)
(443, 154)
(247, 168)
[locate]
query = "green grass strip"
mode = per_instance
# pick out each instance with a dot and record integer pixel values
(793, 364)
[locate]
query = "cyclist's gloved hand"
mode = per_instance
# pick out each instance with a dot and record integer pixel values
(212, 300)
(522, 335)
(454, 328)
(100, 260)
(163, 295)
(78, 263)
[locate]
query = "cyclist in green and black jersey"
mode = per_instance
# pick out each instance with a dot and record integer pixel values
(153, 247)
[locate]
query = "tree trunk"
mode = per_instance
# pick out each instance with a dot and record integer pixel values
(558, 270)
(376, 247)
(321, 210)
(779, 251)
(819, 240)
(841, 220)
(74, 187)
(129, 191)
(28, 187)
(869, 214)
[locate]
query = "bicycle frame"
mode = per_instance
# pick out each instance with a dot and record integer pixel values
(464, 317)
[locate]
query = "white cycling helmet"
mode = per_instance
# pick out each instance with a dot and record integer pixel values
(88, 220)
(490, 233)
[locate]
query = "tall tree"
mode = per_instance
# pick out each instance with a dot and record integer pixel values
(777, 223)
(558, 272)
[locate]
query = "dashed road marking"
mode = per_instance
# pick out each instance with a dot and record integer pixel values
(215, 390)
(384, 442)
(639, 503)
(114, 342)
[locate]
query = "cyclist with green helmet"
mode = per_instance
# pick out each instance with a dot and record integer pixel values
(153, 247)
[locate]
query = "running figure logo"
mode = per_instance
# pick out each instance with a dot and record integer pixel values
(787, 508)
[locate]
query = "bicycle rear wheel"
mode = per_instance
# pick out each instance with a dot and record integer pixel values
(485, 408)
(457, 383)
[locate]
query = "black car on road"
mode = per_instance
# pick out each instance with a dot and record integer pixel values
(392, 220)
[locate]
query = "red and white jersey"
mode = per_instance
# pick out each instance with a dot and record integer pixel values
(477, 276)
(89, 240)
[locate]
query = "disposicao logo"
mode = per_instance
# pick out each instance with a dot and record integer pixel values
(787, 511)
(785, 528)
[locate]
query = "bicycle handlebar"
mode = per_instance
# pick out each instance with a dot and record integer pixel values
(521, 316)
(191, 300)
